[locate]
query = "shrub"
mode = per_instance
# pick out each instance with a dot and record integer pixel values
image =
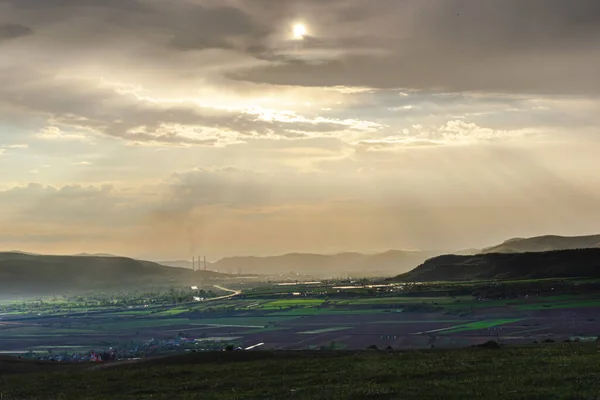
(491, 344)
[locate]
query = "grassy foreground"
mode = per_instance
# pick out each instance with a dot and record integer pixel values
(556, 371)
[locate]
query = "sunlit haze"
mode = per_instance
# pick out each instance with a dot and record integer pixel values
(162, 129)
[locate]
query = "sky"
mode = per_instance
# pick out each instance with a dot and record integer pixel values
(163, 129)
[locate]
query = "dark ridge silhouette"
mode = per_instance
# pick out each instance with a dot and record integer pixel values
(550, 264)
(545, 243)
(35, 274)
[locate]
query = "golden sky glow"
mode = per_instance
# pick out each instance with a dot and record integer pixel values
(156, 129)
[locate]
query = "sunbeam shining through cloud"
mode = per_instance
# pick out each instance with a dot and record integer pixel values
(268, 127)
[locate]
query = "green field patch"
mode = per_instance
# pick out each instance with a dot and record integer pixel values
(478, 325)
(325, 330)
(297, 312)
(277, 304)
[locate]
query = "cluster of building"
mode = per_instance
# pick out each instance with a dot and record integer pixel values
(92, 356)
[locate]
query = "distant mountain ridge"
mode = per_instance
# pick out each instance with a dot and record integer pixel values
(532, 265)
(389, 262)
(545, 243)
(384, 263)
(94, 255)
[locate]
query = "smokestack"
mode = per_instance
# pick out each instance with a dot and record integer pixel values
(193, 263)
(205, 263)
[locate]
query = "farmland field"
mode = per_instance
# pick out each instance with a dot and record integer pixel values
(392, 317)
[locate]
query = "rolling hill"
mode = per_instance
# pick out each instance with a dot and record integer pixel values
(36, 274)
(534, 265)
(324, 265)
(545, 243)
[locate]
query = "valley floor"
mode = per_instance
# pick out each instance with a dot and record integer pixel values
(399, 322)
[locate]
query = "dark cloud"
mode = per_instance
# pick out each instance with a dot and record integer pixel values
(201, 27)
(13, 31)
(540, 46)
(42, 6)
(534, 46)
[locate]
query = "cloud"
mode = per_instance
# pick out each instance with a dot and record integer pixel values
(156, 73)
(13, 31)
(391, 123)
(74, 105)
(55, 133)
(218, 27)
(367, 199)
(451, 46)
(459, 130)
(453, 132)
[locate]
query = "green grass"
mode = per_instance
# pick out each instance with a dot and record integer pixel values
(545, 372)
(169, 312)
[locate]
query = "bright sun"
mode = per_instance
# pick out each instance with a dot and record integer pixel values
(299, 31)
